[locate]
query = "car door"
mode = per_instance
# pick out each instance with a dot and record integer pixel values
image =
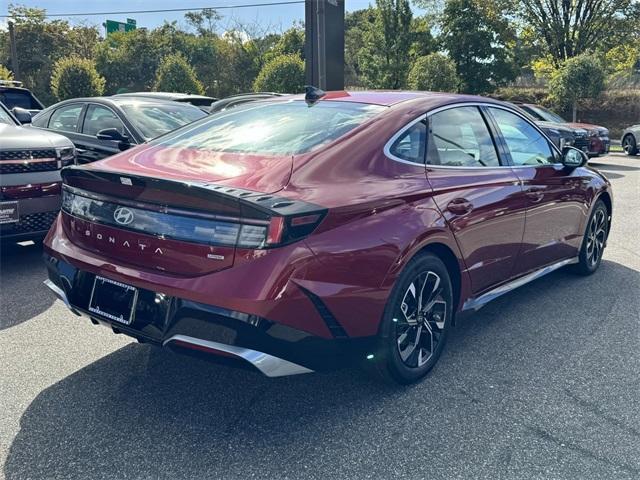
(98, 117)
(66, 121)
(556, 197)
(478, 193)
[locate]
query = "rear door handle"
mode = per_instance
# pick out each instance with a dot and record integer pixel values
(460, 206)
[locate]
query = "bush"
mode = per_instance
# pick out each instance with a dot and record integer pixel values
(176, 75)
(5, 73)
(434, 72)
(74, 77)
(283, 74)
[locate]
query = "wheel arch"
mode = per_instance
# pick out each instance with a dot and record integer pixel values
(448, 257)
(605, 196)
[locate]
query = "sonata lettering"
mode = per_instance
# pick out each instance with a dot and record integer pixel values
(126, 243)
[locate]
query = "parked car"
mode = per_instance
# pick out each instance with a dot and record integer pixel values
(102, 126)
(597, 143)
(22, 103)
(201, 101)
(30, 184)
(306, 232)
(630, 140)
(235, 100)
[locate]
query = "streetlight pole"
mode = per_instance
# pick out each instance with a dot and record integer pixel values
(324, 44)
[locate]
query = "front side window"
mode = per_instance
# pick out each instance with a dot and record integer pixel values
(99, 118)
(66, 118)
(410, 144)
(526, 144)
(461, 139)
(282, 128)
(5, 118)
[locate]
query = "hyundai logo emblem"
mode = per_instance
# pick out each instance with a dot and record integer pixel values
(123, 216)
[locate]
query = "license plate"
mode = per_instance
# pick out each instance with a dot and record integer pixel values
(9, 212)
(113, 300)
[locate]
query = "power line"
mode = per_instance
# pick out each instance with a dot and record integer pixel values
(164, 10)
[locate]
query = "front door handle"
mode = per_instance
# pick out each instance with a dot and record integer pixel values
(535, 194)
(460, 206)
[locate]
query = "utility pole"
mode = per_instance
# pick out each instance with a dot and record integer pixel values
(14, 51)
(324, 44)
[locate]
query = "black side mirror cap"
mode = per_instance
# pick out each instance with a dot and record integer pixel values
(573, 157)
(22, 115)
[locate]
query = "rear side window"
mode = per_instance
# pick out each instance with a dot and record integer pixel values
(410, 144)
(65, 119)
(19, 98)
(461, 139)
(283, 128)
(526, 144)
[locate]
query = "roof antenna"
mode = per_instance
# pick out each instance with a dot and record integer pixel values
(312, 94)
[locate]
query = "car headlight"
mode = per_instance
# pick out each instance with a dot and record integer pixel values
(594, 133)
(67, 155)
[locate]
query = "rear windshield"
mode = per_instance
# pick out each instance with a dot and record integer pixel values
(283, 128)
(19, 98)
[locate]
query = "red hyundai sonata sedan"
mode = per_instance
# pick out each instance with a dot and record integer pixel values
(302, 233)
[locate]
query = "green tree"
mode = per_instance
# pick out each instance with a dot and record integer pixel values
(205, 21)
(40, 43)
(579, 78)
(76, 77)
(384, 56)
(434, 72)
(284, 74)
(356, 26)
(5, 73)
(176, 75)
(291, 42)
(570, 28)
(477, 35)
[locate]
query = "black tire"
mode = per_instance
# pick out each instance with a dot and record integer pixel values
(594, 240)
(392, 362)
(629, 145)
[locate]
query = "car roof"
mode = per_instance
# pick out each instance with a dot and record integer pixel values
(122, 100)
(164, 95)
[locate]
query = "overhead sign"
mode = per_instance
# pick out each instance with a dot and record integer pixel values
(113, 26)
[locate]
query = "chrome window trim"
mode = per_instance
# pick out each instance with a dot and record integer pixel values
(387, 146)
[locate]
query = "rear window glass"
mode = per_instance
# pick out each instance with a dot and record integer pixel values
(283, 128)
(19, 98)
(153, 120)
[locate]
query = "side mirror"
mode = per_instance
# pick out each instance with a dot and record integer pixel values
(21, 114)
(114, 135)
(573, 158)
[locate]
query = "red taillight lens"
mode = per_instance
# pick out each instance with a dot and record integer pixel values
(276, 230)
(284, 230)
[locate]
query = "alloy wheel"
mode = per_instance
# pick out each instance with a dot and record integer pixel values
(420, 323)
(628, 145)
(596, 237)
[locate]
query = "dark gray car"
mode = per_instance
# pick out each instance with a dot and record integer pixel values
(30, 163)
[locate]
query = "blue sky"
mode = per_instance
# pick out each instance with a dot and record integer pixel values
(276, 18)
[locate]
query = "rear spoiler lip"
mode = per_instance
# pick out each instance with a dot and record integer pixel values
(268, 204)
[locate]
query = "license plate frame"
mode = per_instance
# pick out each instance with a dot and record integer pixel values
(111, 291)
(9, 217)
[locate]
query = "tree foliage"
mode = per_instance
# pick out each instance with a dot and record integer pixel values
(570, 28)
(76, 77)
(477, 36)
(434, 72)
(578, 78)
(283, 74)
(384, 57)
(176, 75)
(5, 73)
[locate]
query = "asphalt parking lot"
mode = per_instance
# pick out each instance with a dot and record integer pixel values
(542, 383)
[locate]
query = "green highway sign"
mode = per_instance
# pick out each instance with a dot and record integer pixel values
(113, 26)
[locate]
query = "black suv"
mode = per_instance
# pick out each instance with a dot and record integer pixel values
(22, 103)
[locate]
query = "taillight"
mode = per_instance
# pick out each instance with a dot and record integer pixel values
(283, 230)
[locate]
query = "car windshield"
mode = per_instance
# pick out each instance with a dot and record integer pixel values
(544, 114)
(153, 120)
(282, 128)
(5, 118)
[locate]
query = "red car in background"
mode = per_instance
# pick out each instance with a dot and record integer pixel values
(305, 232)
(598, 143)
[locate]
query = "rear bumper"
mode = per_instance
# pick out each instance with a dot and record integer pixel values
(188, 326)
